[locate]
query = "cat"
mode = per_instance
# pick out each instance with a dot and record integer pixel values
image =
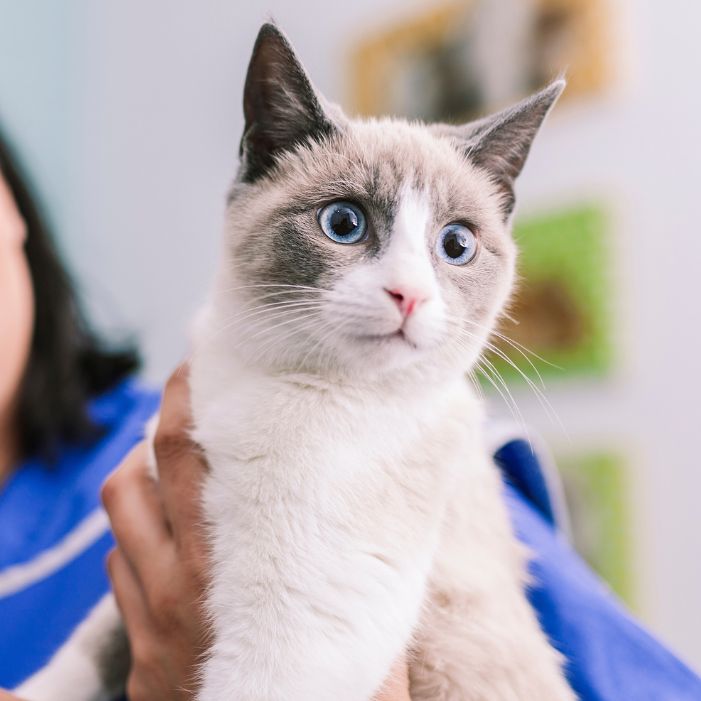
(354, 511)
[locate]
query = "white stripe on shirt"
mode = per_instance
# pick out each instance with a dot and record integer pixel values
(87, 532)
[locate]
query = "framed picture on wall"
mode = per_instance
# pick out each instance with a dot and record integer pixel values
(460, 59)
(559, 322)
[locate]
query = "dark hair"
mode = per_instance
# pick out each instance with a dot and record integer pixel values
(68, 364)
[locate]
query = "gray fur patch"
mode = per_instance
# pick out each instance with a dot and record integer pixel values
(114, 661)
(315, 156)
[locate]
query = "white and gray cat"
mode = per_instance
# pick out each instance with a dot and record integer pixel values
(354, 509)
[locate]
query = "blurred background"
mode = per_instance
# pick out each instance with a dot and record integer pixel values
(128, 115)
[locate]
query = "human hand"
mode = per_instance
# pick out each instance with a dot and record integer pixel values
(159, 567)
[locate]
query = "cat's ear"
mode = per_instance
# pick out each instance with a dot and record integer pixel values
(280, 105)
(500, 143)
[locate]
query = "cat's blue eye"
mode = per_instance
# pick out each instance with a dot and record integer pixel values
(343, 222)
(457, 244)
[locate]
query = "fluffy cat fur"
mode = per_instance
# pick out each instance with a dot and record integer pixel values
(354, 510)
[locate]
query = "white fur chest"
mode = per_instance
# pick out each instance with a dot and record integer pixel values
(326, 504)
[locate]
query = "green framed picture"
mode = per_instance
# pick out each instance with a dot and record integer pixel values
(561, 309)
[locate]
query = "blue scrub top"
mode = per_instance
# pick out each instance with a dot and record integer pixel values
(54, 538)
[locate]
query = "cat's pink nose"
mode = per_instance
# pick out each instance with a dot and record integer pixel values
(405, 300)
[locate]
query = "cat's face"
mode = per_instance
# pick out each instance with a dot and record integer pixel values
(362, 247)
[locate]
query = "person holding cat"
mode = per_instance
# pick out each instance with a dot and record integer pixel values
(69, 413)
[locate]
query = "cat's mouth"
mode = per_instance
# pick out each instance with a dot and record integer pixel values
(394, 336)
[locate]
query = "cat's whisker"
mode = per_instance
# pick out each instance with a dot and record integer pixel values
(515, 344)
(488, 376)
(543, 400)
(493, 332)
(270, 290)
(272, 314)
(550, 411)
(329, 351)
(259, 327)
(499, 380)
(270, 308)
(510, 402)
(305, 326)
(319, 343)
(475, 384)
(262, 324)
(270, 329)
(276, 341)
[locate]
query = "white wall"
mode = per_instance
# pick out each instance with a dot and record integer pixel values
(641, 150)
(130, 115)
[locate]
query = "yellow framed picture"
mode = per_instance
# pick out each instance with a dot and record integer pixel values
(460, 59)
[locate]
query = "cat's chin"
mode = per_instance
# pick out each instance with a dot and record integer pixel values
(372, 355)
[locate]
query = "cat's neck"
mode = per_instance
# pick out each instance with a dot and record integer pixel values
(408, 381)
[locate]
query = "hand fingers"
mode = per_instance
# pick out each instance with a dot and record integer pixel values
(130, 597)
(181, 466)
(135, 509)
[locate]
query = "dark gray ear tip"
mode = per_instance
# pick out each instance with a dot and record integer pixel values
(271, 43)
(559, 84)
(270, 38)
(552, 92)
(270, 30)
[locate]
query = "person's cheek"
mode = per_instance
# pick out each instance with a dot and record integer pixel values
(16, 320)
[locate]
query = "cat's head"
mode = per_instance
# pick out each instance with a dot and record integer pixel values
(366, 246)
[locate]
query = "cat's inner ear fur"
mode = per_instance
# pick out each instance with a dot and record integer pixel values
(281, 107)
(500, 143)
